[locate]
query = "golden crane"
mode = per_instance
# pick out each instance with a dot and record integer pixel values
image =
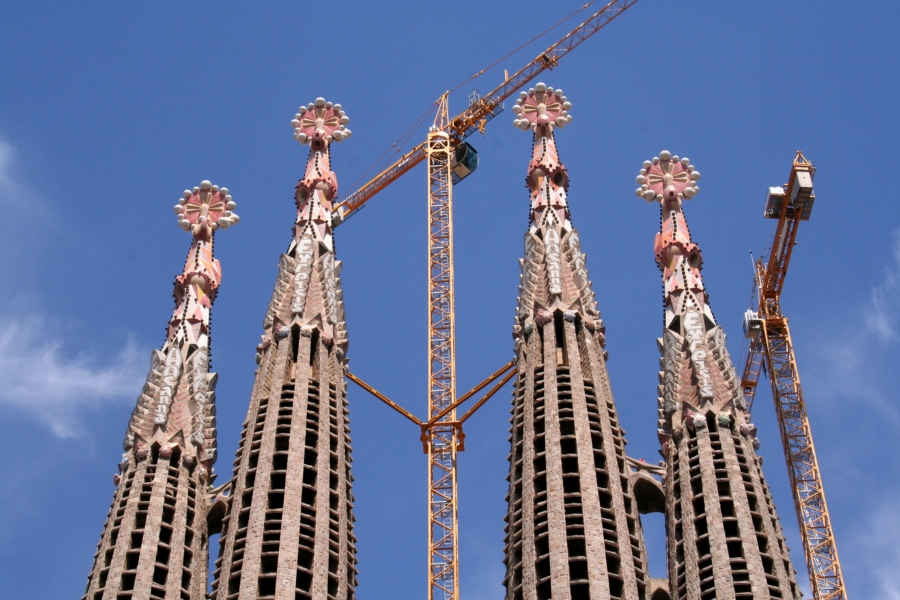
(449, 160)
(771, 348)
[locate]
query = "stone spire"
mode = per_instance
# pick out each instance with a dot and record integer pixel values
(155, 541)
(573, 529)
(724, 538)
(288, 529)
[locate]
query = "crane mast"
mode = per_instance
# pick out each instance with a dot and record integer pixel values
(441, 441)
(771, 348)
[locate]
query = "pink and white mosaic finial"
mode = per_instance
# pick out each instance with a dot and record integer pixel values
(542, 109)
(319, 123)
(205, 209)
(668, 179)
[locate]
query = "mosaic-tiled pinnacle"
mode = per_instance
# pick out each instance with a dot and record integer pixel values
(573, 529)
(288, 530)
(724, 538)
(155, 541)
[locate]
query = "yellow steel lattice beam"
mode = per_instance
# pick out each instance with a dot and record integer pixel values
(443, 553)
(774, 350)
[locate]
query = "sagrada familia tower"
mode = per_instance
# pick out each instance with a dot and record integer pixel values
(573, 528)
(155, 541)
(288, 530)
(724, 539)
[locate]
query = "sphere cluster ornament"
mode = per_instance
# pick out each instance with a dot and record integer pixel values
(668, 179)
(205, 209)
(542, 108)
(319, 123)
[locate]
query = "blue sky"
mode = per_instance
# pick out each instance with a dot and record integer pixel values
(109, 110)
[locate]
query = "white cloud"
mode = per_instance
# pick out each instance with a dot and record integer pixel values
(853, 361)
(853, 369)
(6, 158)
(39, 378)
(876, 547)
(881, 314)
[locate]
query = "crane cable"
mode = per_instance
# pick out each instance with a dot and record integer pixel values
(540, 35)
(401, 141)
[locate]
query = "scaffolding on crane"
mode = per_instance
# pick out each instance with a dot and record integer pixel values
(771, 348)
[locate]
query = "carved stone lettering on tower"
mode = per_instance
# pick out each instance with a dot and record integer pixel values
(724, 538)
(573, 531)
(287, 531)
(155, 541)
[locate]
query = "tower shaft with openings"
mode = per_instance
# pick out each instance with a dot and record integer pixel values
(724, 537)
(155, 541)
(288, 530)
(573, 529)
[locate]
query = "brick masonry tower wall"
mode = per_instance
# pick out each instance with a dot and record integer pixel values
(288, 532)
(155, 542)
(573, 531)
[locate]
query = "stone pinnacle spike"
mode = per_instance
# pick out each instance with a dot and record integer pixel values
(156, 535)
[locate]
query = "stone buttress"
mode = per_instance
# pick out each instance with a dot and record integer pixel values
(155, 541)
(288, 530)
(573, 529)
(724, 539)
